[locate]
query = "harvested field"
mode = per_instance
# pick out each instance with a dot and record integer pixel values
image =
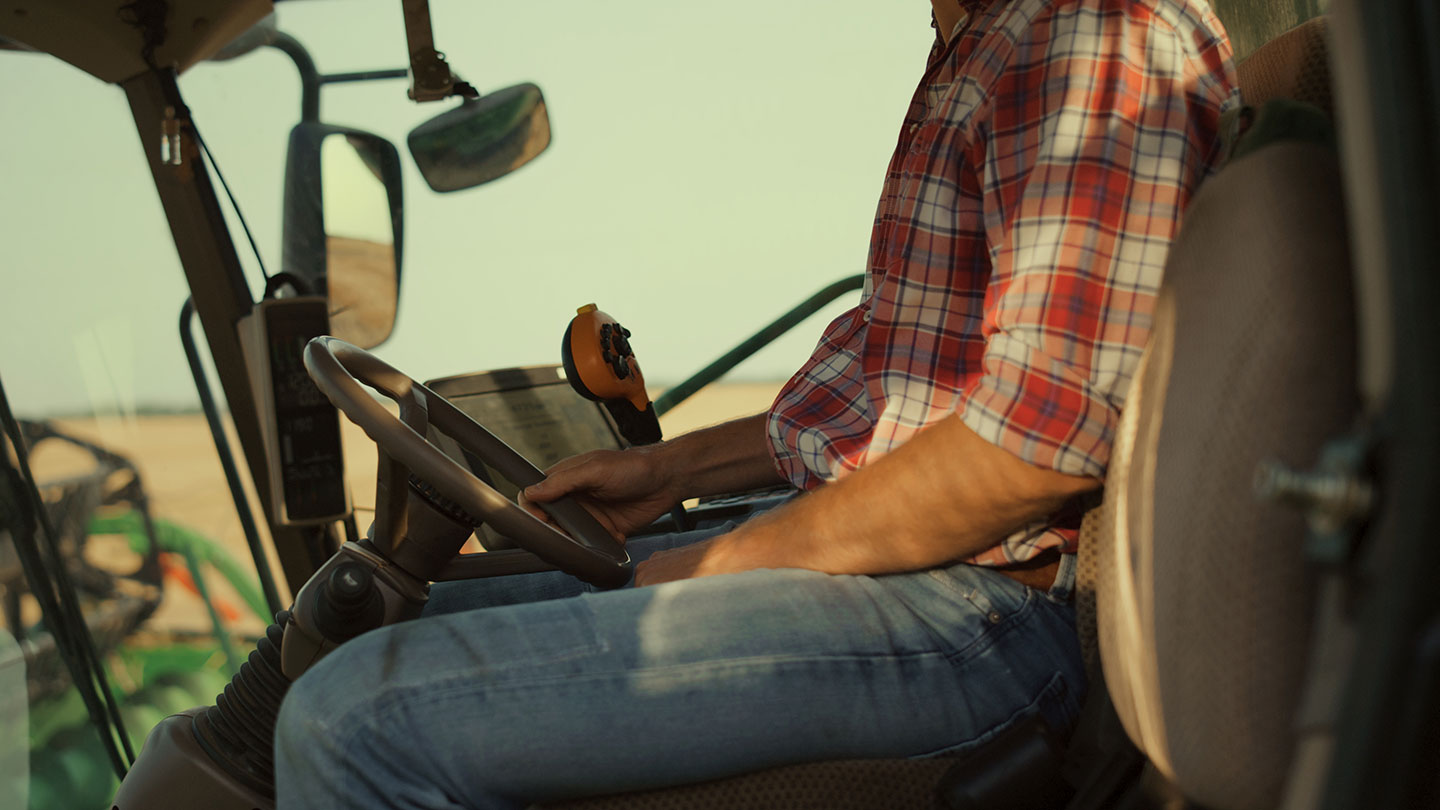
(186, 484)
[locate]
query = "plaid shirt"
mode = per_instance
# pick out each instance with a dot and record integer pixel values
(1019, 243)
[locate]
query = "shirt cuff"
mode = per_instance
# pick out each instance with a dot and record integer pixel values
(1040, 409)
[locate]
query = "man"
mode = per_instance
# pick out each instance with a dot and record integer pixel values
(916, 599)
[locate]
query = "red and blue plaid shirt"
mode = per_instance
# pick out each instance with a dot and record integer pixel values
(1019, 243)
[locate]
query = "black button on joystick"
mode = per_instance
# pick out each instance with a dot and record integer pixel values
(349, 585)
(348, 603)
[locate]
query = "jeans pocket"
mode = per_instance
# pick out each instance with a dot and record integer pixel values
(994, 595)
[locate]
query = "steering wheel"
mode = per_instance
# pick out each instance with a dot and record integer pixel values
(338, 368)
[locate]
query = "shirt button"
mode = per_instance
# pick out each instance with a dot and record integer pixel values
(995, 617)
(866, 316)
(914, 127)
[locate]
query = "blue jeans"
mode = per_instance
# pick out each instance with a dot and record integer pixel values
(532, 688)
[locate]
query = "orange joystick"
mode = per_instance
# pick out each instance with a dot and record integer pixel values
(601, 365)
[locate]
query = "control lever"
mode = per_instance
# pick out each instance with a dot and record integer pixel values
(601, 366)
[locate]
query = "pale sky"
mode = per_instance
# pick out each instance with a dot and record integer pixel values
(712, 164)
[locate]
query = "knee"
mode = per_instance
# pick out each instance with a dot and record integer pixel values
(315, 710)
(312, 765)
(303, 723)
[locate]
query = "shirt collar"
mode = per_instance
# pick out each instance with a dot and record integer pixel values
(968, 9)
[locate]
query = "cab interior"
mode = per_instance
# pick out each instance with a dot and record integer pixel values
(1254, 583)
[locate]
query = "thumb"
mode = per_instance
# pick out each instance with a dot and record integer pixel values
(580, 473)
(535, 511)
(556, 484)
(539, 492)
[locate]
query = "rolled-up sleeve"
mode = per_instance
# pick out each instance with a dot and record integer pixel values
(1098, 132)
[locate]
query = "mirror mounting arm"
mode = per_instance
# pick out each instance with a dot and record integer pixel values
(310, 79)
(430, 76)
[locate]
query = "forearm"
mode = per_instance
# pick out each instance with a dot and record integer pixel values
(945, 495)
(730, 457)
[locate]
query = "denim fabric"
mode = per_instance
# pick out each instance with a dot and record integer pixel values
(533, 687)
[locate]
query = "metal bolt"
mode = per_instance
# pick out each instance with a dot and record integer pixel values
(170, 145)
(1330, 499)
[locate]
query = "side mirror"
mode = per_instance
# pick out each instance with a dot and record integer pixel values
(344, 226)
(482, 140)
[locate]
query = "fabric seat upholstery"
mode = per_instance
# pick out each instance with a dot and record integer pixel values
(1204, 598)
(1294, 65)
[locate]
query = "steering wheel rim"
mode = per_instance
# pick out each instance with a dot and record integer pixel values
(339, 369)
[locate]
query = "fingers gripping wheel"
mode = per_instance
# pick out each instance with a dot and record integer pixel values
(338, 368)
(601, 366)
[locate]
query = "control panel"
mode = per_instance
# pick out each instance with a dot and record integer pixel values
(300, 427)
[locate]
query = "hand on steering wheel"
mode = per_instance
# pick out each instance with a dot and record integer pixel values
(626, 490)
(338, 368)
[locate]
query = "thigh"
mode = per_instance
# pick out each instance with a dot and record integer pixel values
(684, 682)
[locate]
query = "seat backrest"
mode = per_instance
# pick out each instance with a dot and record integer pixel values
(1203, 596)
(1294, 65)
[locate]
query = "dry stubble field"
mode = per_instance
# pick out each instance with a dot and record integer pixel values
(186, 484)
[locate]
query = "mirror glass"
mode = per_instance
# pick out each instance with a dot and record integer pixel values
(482, 140)
(359, 240)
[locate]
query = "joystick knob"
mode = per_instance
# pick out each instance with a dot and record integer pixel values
(348, 603)
(600, 364)
(349, 585)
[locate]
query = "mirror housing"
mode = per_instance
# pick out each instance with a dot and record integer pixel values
(345, 245)
(482, 140)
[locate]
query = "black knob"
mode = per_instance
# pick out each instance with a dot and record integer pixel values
(349, 603)
(349, 585)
